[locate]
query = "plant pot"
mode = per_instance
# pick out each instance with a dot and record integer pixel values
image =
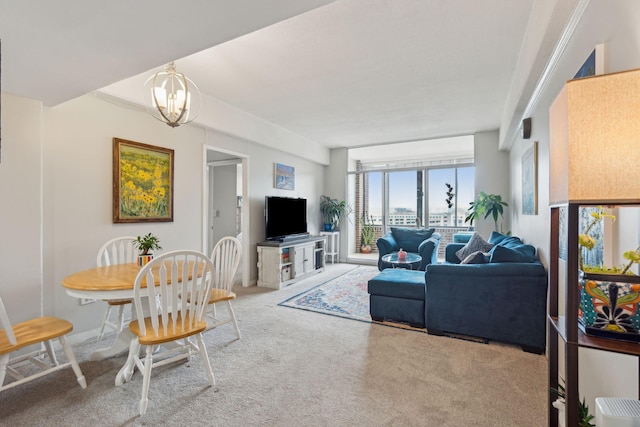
(365, 249)
(328, 227)
(609, 305)
(144, 259)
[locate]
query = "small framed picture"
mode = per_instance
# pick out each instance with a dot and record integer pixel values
(284, 177)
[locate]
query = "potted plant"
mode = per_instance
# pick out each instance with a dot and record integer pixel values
(485, 205)
(367, 233)
(332, 211)
(146, 244)
(584, 417)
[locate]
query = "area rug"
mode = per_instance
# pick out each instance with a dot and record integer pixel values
(344, 296)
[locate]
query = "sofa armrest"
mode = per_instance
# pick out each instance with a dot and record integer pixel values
(450, 252)
(428, 250)
(386, 244)
(501, 301)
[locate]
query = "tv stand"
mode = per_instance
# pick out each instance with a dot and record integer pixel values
(281, 263)
(292, 238)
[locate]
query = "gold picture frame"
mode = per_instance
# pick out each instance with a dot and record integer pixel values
(142, 182)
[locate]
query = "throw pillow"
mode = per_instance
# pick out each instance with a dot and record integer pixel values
(521, 253)
(476, 243)
(475, 258)
(410, 238)
(496, 237)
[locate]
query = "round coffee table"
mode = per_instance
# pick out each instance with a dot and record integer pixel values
(411, 262)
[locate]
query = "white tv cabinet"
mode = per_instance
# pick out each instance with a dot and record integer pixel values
(283, 263)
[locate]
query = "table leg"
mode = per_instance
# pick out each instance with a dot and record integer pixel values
(125, 373)
(120, 345)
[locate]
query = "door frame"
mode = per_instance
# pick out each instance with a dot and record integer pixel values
(245, 228)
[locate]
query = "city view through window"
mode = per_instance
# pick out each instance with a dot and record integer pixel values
(443, 194)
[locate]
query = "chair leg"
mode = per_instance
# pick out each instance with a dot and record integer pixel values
(51, 353)
(4, 361)
(233, 317)
(120, 318)
(146, 378)
(74, 363)
(205, 359)
(105, 320)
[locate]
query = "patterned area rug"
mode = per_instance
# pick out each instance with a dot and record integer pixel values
(343, 296)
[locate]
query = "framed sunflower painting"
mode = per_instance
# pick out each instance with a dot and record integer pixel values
(142, 182)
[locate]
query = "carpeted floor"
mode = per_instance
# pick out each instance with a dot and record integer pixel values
(300, 368)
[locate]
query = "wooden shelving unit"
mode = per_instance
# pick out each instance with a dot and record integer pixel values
(594, 130)
(566, 327)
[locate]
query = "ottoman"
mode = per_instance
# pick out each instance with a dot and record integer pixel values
(397, 294)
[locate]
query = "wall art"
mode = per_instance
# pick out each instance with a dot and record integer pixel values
(142, 182)
(530, 180)
(284, 177)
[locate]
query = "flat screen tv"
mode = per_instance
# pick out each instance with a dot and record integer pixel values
(285, 217)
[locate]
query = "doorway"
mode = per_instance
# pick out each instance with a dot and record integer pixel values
(225, 208)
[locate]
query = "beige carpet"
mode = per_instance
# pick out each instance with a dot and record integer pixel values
(300, 368)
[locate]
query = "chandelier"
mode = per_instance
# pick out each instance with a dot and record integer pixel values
(171, 97)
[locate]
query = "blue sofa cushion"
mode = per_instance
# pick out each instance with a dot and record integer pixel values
(475, 244)
(410, 238)
(496, 237)
(475, 258)
(510, 242)
(399, 283)
(515, 253)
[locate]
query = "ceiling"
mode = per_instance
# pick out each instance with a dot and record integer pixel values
(343, 73)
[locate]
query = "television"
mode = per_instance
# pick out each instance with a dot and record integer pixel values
(285, 218)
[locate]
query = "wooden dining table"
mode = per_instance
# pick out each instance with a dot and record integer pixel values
(110, 282)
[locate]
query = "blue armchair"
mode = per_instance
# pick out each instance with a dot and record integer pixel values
(422, 241)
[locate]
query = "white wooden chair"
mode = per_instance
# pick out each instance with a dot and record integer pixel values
(169, 320)
(226, 256)
(40, 330)
(116, 251)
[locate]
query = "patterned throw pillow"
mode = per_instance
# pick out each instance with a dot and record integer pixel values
(475, 244)
(475, 258)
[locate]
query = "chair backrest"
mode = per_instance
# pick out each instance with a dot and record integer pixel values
(6, 325)
(176, 274)
(117, 251)
(226, 256)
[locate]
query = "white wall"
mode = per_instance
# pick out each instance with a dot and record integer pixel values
(616, 25)
(492, 177)
(335, 186)
(20, 207)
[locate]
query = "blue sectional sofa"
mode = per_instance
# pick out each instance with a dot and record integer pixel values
(500, 297)
(424, 242)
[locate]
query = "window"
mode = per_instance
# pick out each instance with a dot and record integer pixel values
(450, 192)
(398, 198)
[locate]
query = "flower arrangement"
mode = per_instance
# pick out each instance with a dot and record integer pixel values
(146, 244)
(588, 242)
